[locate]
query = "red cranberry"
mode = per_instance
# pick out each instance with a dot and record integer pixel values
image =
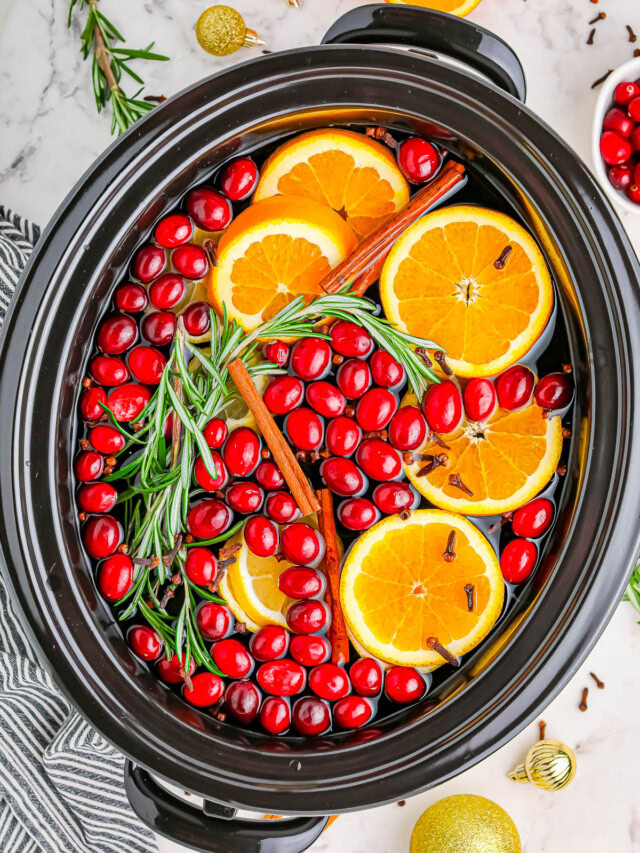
(148, 263)
(408, 428)
(386, 371)
(304, 429)
(554, 391)
(147, 364)
(204, 478)
(190, 261)
(241, 451)
(379, 460)
(166, 291)
(343, 477)
(278, 352)
(283, 677)
(300, 543)
(301, 582)
(311, 716)
(210, 210)
(376, 408)
(242, 701)
(109, 370)
(130, 297)
(171, 671)
(442, 406)
(215, 432)
(239, 178)
(159, 327)
(634, 111)
(231, 657)
(352, 712)
(88, 466)
(244, 497)
(636, 174)
(275, 715)
(197, 319)
(90, 401)
(128, 401)
(635, 138)
(206, 689)
(515, 387)
(353, 378)
(618, 121)
(214, 620)
(201, 566)
(208, 519)
(418, 159)
(357, 514)
(620, 177)
(308, 617)
(329, 681)
(614, 149)
(533, 519)
(101, 535)
(625, 92)
(343, 436)
(480, 399)
(97, 497)
(350, 340)
(114, 576)
(269, 643)
(404, 684)
(281, 508)
(366, 677)
(393, 497)
(326, 399)
(310, 358)
(310, 650)
(269, 476)
(517, 560)
(173, 230)
(282, 394)
(117, 334)
(261, 536)
(106, 439)
(144, 642)
(633, 193)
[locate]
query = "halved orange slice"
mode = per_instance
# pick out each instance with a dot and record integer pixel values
(453, 7)
(353, 174)
(474, 281)
(398, 591)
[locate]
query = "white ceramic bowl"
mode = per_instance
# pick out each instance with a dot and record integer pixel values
(629, 71)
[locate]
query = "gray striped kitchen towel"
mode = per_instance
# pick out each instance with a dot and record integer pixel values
(61, 785)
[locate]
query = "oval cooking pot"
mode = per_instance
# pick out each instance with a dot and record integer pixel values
(84, 251)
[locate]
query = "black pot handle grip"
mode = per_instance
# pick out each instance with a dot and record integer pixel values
(214, 828)
(437, 31)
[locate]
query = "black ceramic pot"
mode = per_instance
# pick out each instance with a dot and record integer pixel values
(82, 254)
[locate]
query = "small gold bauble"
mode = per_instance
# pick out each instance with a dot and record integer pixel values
(465, 823)
(221, 30)
(550, 764)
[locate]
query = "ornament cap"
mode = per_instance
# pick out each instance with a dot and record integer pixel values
(519, 774)
(252, 39)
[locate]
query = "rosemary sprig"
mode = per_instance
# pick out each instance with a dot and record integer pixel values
(633, 589)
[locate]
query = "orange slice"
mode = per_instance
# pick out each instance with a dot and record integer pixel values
(355, 175)
(504, 461)
(453, 7)
(441, 282)
(397, 590)
(272, 252)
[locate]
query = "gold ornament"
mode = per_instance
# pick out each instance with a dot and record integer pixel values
(465, 823)
(221, 30)
(549, 764)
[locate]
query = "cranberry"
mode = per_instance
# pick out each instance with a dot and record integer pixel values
(283, 677)
(614, 149)
(201, 566)
(633, 193)
(239, 179)
(442, 406)
(197, 319)
(304, 429)
(618, 121)
(357, 514)
(106, 439)
(208, 519)
(418, 159)
(308, 617)
(144, 642)
(326, 399)
(215, 432)
(171, 671)
(117, 334)
(635, 138)
(301, 582)
(533, 519)
(90, 401)
(554, 391)
(166, 291)
(376, 408)
(352, 712)
(109, 370)
(408, 428)
(147, 364)
(241, 451)
(515, 387)
(206, 689)
(625, 92)
(269, 643)
(214, 620)
(343, 436)
(310, 650)
(242, 701)
(148, 263)
(379, 460)
(634, 111)
(130, 297)
(350, 340)
(173, 230)
(353, 378)
(329, 681)
(300, 543)
(261, 536)
(404, 684)
(159, 327)
(278, 352)
(636, 174)
(282, 394)
(97, 497)
(310, 358)
(394, 497)
(281, 508)
(343, 477)
(204, 478)
(190, 261)
(244, 497)
(517, 560)
(311, 716)
(386, 370)
(101, 535)
(366, 677)
(480, 399)
(114, 576)
(269, 476)
(210, 210)
(128, 401)
(88, 466)
(275, 715)
(231, 657)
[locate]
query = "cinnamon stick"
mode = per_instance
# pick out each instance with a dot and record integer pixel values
(283, 455)
(365, 263)
(337, 633)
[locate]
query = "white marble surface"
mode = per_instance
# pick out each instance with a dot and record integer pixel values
(49, 134)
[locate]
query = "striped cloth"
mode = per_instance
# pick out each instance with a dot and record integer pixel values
(61, 785)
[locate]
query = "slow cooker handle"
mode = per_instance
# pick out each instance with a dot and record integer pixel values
(193, 827)
(457, 38)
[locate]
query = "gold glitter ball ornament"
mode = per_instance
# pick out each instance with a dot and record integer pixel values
(549, 764)
(465, 823)
(221, 30)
